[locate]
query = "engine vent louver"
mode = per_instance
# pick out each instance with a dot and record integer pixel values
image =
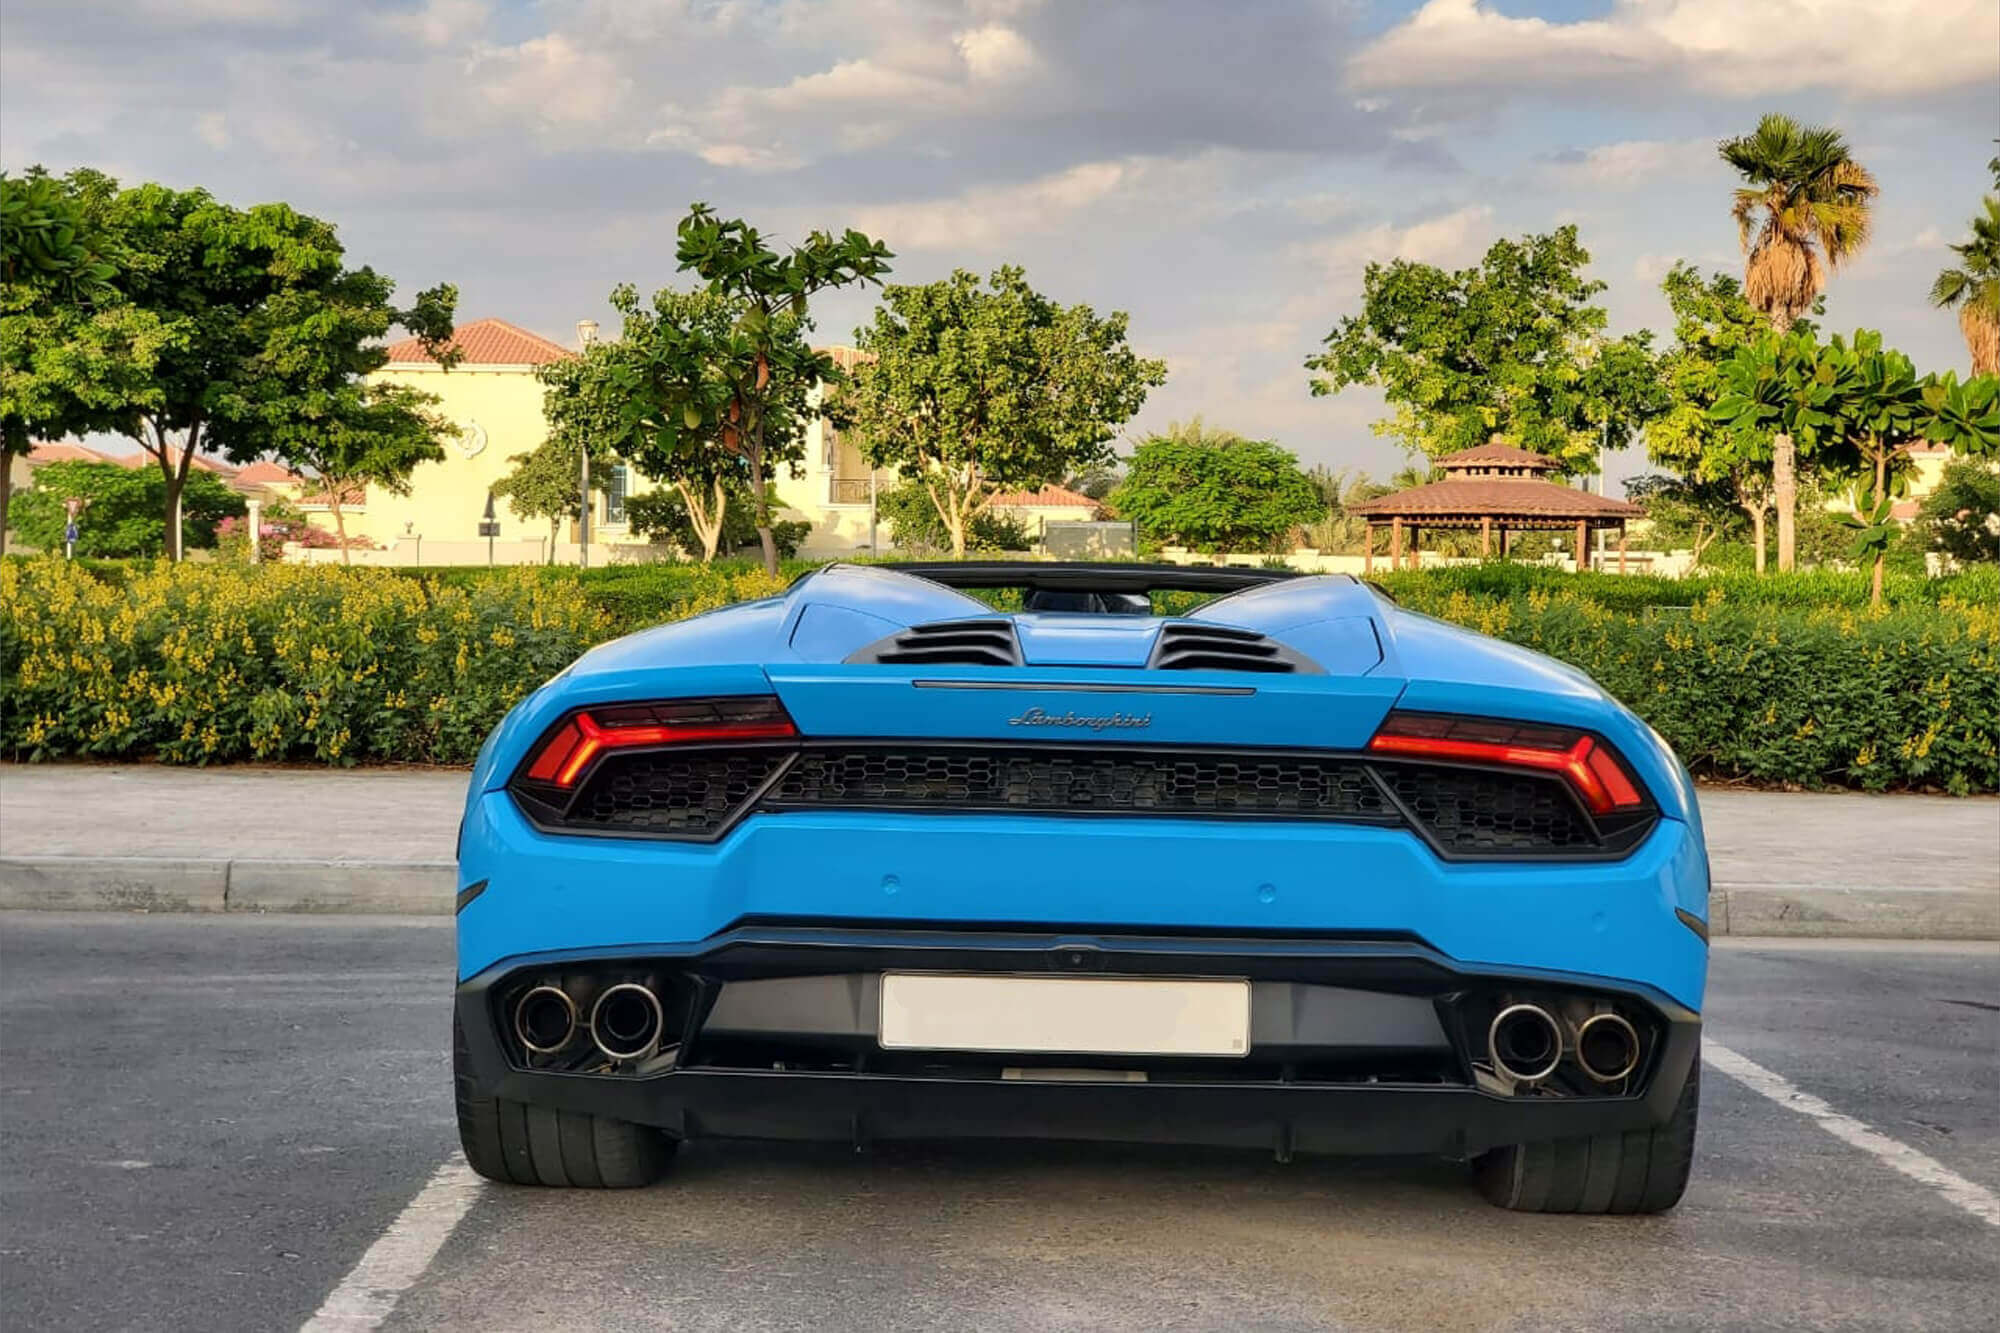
(1183, 646)
(947, 643)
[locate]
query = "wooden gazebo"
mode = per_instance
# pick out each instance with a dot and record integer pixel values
(1493, 486)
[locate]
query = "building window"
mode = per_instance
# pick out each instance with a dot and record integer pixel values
(614, 493)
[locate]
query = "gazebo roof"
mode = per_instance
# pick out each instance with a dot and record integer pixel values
(1495, 480)
(1497, 454)
(1501, 498)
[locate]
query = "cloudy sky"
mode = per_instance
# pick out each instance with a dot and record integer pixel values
(1221, 169)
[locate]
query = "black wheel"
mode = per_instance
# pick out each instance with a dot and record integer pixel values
(518, 1144)
(1638, 1171)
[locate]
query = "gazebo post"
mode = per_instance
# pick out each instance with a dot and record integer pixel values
(1582, 544)
(1506, 540)
(1368, 549)
(1396, 542)
(1485, 536)
(1621, 547)
(1416, 542)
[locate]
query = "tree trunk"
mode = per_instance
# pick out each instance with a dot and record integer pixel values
(6, 494)
(712, 537)
(1785, 498)
(1756, 533)
(555, 531)
(760, 503)
(339, 524)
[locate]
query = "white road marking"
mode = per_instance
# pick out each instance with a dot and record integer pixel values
(1974, 1199)
(399, 1255)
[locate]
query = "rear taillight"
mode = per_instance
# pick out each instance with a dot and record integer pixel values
(1590, 766)
(566, 753)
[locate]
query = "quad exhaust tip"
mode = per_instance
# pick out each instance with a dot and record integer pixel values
(545, 1020)
(626, 1022)
(1525, 1042)
(1607, 1047)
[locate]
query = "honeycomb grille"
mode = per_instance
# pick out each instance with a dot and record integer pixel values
(1469, 811)
(669, 792)
(1068, 783)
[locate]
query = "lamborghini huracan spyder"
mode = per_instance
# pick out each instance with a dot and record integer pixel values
(1293, 869)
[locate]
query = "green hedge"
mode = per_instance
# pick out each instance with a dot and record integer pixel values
(1784, 680)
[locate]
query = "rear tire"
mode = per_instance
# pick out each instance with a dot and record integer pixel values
(1637, 1171)
(518, 1144)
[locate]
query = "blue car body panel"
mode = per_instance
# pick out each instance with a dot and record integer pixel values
(1619, 919)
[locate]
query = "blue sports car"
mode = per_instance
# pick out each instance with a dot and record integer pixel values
(1294, 869)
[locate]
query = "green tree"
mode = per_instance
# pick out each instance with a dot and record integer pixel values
(1216, 491)
(915, 524)
(1807, 209)
(684, 386)
(351, 435)
(1712, 321)
(56, 271)
(1515, 346)
(244, 333)
(545, 484)
(969, 390)
(700, 463)
(1339, 490)
(122, 509)
(1973, 286)
(728, 522)
(1961, 518)
(1686, 509)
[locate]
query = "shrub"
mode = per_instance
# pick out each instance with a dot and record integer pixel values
(908, 512)
(125, 511)
(1787, 680)
(201, 664)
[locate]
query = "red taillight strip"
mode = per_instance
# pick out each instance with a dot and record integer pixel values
(1590, 769)
(570, 751)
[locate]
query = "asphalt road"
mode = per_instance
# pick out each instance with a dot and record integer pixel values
(205, 1123)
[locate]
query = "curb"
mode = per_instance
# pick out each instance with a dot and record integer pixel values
(426, 888)
(1861, 913)
(149, 884)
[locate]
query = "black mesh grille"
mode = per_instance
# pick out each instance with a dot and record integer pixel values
(1470, 810)
(666, 791)
(1120, 782)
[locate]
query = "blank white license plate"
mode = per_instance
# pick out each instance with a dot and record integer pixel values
(1065, 1015)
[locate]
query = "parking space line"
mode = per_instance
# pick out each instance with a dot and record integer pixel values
(1974, 1199)
(399, 1256)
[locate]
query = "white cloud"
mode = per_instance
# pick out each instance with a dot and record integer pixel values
(995, 54)
(213, 129)
(1634, 162)
(1448, 240)
(1739, 49)
(438, 23)
(993, 216)
(551, 82)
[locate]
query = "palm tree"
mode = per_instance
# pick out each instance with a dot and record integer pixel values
(1974, 286)
(1805, 211)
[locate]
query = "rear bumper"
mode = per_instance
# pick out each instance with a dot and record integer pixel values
(1263, 1104)
(549, 894)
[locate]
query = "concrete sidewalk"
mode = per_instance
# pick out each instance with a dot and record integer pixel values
(380, 840)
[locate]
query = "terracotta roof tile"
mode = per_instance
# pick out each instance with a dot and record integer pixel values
(1049, 497)
(1494, 453)
(353, 497)
(266, 472)
(1501, 497)
(486, 342)
(62, 451)
(201, 461)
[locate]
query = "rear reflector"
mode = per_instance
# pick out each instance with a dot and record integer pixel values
(569, 750)
(1589, 766)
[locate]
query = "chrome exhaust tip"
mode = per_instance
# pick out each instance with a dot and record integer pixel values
(626, 1022)
(1525, 1043)
(1607, 1047)
(545, 1020)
